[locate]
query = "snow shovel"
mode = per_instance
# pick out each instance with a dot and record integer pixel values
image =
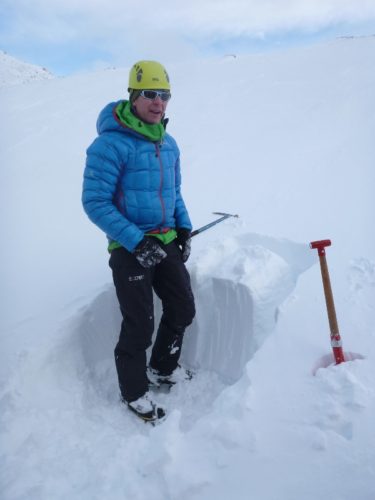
(338, 353)
(336, 343)
(213, 223)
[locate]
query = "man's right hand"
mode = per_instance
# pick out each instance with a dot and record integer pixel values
(148, 252)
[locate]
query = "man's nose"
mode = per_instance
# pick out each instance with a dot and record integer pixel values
(158, 99)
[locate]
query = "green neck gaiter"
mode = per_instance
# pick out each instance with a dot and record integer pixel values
(153, 132)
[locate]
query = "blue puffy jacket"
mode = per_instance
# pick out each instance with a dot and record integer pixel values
(132, 185)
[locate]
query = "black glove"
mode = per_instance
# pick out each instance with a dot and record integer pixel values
(148, 253)
(184, 242)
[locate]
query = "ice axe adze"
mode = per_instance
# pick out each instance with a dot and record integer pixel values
(335, 335)
(213, 223)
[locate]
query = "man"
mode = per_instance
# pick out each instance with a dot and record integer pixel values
(132, 191)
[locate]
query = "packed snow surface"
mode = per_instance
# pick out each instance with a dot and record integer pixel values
(285, 140)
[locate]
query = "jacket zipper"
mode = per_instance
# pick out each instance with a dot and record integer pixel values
(161, 183)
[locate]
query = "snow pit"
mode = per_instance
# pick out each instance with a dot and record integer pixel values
(239, 284)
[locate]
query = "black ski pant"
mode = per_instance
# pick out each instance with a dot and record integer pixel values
(134, 288)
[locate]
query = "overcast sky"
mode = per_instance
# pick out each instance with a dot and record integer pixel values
(78, 35)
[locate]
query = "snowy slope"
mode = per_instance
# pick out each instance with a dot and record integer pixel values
(284, 139)
(14, 71)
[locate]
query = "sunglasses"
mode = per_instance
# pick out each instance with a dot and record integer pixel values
(164, 95)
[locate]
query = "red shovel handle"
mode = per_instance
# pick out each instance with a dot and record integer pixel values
(320, 246)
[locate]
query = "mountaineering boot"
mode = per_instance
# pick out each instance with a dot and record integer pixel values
(157, 379)
(146, 409)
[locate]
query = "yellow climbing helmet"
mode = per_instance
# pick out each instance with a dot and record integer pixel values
(148, 75)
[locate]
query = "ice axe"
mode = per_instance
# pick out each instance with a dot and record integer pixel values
(213, 223)
(335, 335)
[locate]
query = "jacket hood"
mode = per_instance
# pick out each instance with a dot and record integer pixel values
(113, 118)
(106, 120)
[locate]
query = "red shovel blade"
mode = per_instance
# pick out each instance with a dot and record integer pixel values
(329, 360)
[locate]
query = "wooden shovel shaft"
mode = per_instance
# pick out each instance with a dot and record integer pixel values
(329, 296)
(333, 326)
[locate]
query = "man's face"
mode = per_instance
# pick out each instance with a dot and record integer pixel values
(150, 110)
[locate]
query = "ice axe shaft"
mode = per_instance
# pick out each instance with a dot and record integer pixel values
(213, 223)
(335, 335)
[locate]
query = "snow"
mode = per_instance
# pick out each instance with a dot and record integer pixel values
(285, 140)
(15, 72)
